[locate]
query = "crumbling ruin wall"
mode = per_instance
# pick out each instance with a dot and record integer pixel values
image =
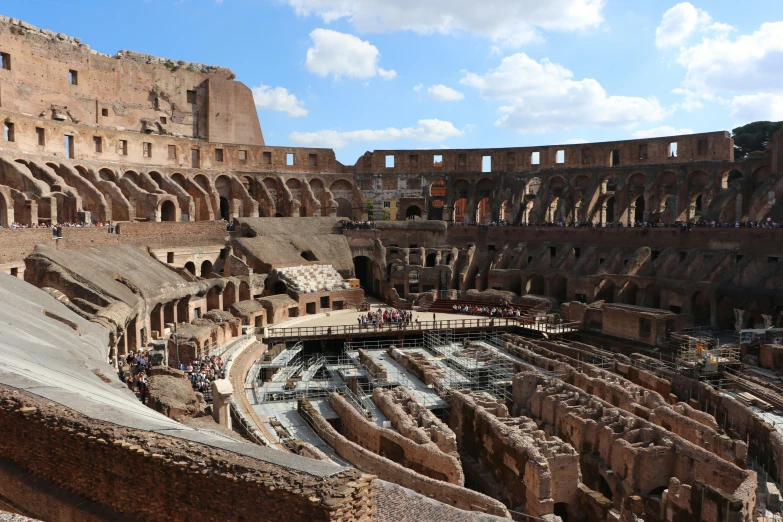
(624, 454)
(390, 471)
(530, 471)
(374, 368)
(424, 458)
(55, 445)
(413, 420)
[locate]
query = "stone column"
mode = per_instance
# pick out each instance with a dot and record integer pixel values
(222, 392)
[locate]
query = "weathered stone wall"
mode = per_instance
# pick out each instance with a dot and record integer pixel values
(424, 458)
(390, 471)
(54, 445)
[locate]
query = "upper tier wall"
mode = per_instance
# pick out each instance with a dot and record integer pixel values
(53, 76)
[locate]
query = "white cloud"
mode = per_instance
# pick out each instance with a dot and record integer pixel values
(418, 87)
(576, 141)
(542, 96)
(425, 130)
(678, 23)
(658, 132)
(278, 99)
(755, 107)
(508, 22)
(748, 64)
(442, 93)
(341, 54)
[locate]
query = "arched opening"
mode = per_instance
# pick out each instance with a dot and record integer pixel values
(652, 296)
(561, 510)
(483, 214)
(725, 313)
(244, 291)
(609, 211)
(430, 261)
(3, 212)
(638, 211)
(363, 269)
(344, 208)
(413, 212)
(229, 295)
(190, 267)
(168, 211)
(605, 291)
(309, 256)
(628, 293)
(559, 288)
(155, 319)
(535, 285)
(731, 177)
(206, 268)
(459, 210)
(504, 210)
(604, 488)
(224, 210)
(213, 299)
(279, 288)
(435, 212)
(700, 308)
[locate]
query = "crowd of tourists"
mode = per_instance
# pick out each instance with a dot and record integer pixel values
(203, 370)
(385, 316)
(134, 373)
(358, 225)
(488, 311)
(58, 226)
(682, 225)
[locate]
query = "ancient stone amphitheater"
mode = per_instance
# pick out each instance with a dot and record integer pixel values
(195, 325)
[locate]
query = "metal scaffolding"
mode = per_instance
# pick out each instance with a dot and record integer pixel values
(702, 356)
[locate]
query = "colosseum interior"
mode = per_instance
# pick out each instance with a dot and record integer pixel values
(201, 340)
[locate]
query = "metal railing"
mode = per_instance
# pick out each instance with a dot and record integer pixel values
(227, 350)
(347, 330)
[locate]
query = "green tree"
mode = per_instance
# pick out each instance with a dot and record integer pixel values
(369, 206)
(753, 137)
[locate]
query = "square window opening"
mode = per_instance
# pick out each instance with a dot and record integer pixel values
(146, 149)
(41, 135)
(105, 112)
(673, 149)
(195, 158)
(123, 147)
(164, 120)
(643, 151)
(462, 161)
(243, 156)
(73, 77)
(169, 257)
(703, 147)
(585, 155)
(614, 158)
(414, 161)
(8, 129)
(98, 142)
(267, 158)
(5, 61)
(192, 96)
(69, 146)
(437, 160)
(486, 164)
(289, 159)
(560, 156)
(312, 160)
(172, 152)
(535, 158)
(390, 161)
(219, 155)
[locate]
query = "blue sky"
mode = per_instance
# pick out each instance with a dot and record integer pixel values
(358, 75)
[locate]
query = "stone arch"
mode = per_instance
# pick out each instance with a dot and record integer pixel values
(605, 291)
(535, 285)
(363, 268)
(559, 288)
(431, 259)
(652, 296)
(6, 211)
(107, 174)
(229, 295)
(168, 212)
(244, 291)
(629, 293)
(730, 176)
(351, 203)
(413, 212)
(206, 268)
(700, 308)
(157, 178)
(190, 266)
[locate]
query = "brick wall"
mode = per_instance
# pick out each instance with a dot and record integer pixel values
(125, 470)
(390, 471)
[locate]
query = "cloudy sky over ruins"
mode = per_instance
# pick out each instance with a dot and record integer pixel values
(359, 75)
